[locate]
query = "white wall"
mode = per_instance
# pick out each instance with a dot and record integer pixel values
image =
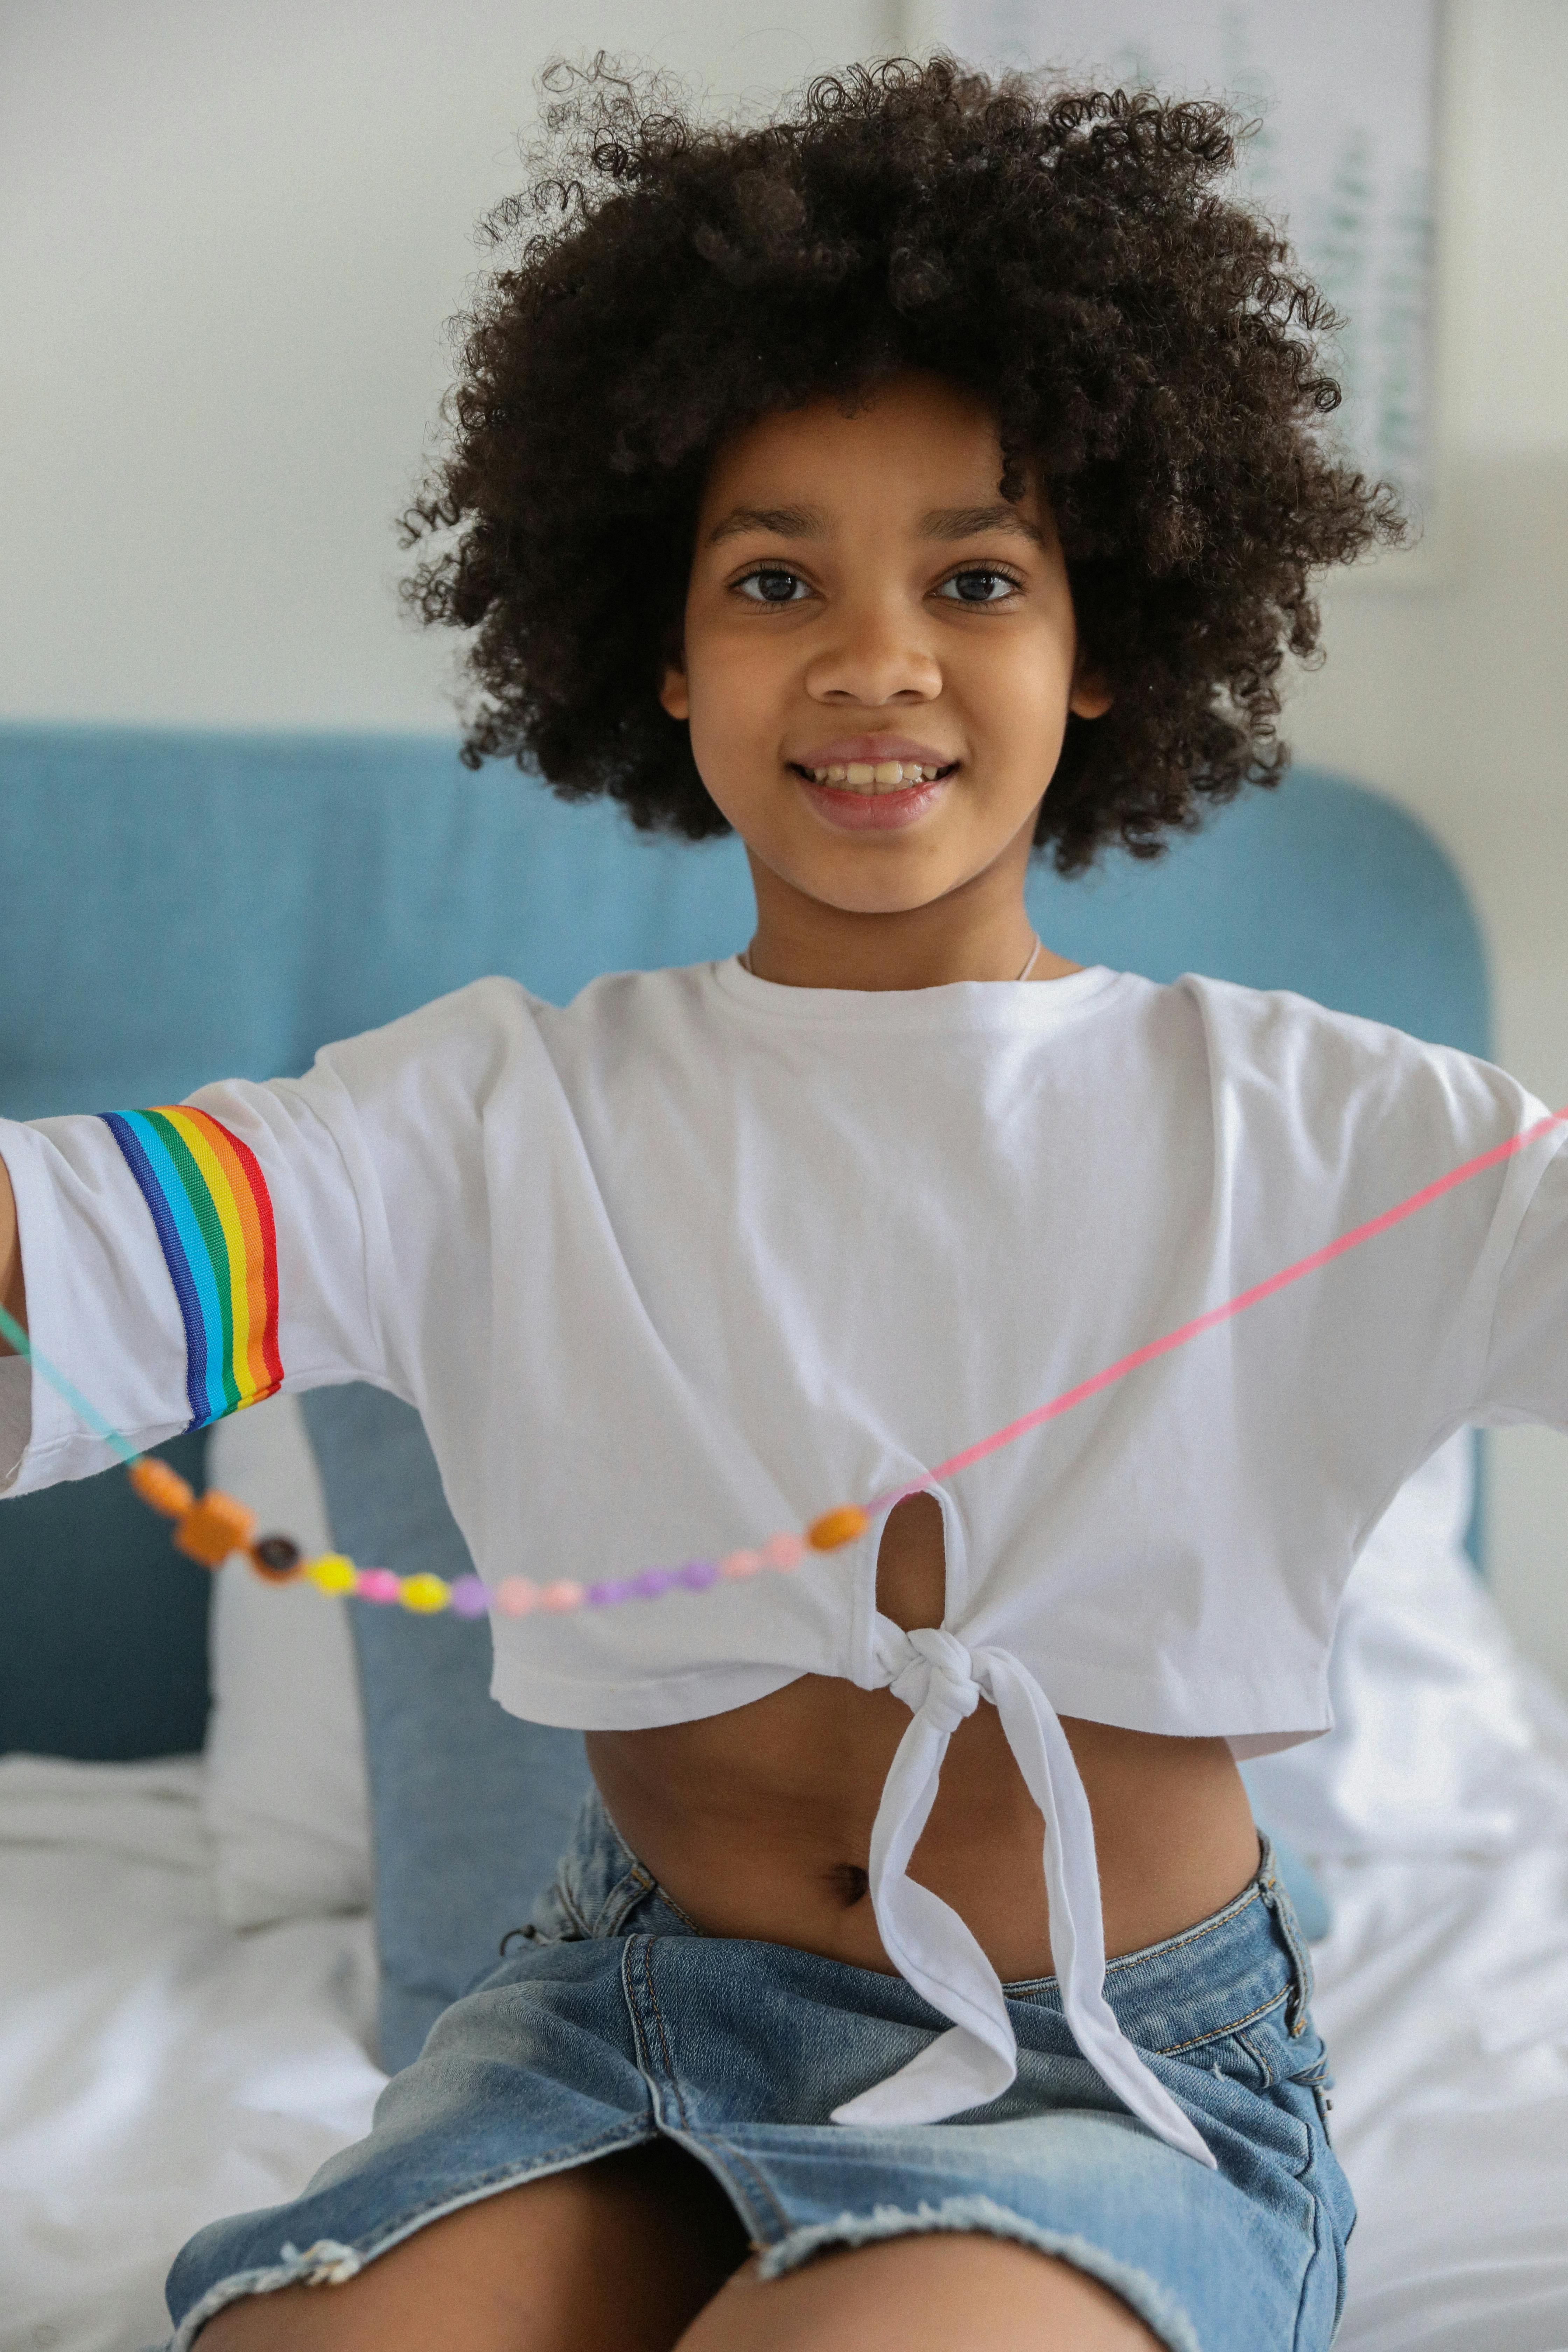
(229, 236)
(1451, 697)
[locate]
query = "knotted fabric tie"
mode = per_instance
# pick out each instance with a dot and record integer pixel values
(938, 1683)
(941, 1681)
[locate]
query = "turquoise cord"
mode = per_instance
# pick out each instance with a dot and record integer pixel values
(73, 1396)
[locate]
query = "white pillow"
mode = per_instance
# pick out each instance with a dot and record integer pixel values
(286, 1801)
(1445, 1740)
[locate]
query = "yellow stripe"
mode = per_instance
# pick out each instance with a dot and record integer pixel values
(217, 1183)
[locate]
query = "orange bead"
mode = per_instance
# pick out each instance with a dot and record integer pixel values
(163, 1487)
(213, 1527)
(836, 1528)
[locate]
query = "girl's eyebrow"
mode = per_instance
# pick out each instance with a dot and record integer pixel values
(789, 522)
(968, 522)
(812, 522)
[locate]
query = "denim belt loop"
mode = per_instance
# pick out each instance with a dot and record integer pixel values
(621, 1901)
(1274, 1892)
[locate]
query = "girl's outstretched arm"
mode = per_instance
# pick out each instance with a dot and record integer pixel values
(13, 1295)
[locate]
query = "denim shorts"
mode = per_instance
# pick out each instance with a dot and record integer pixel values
(616, 2019)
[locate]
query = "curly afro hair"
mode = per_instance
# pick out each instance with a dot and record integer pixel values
(1066, 254)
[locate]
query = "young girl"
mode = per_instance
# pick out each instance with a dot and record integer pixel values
(926, 477)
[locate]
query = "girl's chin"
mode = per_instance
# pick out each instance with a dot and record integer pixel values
(891, 812)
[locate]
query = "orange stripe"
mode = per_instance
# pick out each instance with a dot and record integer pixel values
(256, 1373)
(248, 1276)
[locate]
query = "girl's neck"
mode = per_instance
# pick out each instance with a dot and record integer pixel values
(801, 942)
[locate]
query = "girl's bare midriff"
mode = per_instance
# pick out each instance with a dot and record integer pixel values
(758, 1823)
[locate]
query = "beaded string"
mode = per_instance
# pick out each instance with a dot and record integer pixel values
(214, 1527)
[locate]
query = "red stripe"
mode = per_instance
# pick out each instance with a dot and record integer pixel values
(250, 1168)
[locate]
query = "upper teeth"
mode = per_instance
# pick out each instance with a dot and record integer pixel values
(862, 775)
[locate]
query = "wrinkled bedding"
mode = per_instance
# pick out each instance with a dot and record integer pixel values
(158, 2068)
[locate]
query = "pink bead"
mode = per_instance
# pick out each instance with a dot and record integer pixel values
(783, 1551)
(736, 1564)
(515, 1596)
(558, 1597)
(378, 1584)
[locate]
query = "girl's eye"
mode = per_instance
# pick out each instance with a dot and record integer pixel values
(772, 584)
(980, 584)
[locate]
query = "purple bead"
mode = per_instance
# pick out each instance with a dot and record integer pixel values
(699, 1574)
(653, 1581)
(606, 1595)
(468, 1597)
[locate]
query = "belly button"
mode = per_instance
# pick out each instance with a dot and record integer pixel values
(851, 1883)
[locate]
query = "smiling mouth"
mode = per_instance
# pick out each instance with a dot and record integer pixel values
(884, 776)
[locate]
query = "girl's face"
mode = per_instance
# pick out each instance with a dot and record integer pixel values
(878, 661)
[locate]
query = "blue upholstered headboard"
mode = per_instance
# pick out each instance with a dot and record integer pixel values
(179, 907)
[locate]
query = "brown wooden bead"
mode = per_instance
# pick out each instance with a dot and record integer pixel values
(276, 1558)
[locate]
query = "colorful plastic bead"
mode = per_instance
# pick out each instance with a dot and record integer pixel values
(654, 1582)
(560, 1596)
(332, 1573)
(469, 1597)
(163, 1487)
(515, 1596)
(836, 1528)
(736, 1564)
(275, 1558)
(213, 1527)
(425, 1594)
(699, 1574)
(378, 1584)
(783, 1551)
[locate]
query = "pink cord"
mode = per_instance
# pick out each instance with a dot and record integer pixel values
(1201, 1323)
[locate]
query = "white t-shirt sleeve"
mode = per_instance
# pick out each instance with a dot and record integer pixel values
(182, 1261)
(1524, 1376)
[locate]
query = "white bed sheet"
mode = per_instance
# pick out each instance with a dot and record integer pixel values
(158, 2069)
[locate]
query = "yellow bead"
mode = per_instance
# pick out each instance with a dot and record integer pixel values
(332, 1572)
(836, 1528)
(426, 1594)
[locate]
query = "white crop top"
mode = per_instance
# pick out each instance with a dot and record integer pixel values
(700, 1256)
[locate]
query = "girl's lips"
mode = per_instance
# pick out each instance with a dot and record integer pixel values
(882, 812)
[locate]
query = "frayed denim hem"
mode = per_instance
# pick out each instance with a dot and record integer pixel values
(1145, 2295)
(330, 2264)
(326, 2264)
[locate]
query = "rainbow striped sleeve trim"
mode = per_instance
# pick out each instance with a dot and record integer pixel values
(213, 1214)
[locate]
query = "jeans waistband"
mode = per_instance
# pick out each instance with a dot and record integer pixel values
(1219, 1974)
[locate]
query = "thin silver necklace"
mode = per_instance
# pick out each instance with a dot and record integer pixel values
(744, 960)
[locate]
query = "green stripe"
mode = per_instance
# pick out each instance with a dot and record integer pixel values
(199, 1194)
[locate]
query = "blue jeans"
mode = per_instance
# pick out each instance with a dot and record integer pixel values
(616, 2020)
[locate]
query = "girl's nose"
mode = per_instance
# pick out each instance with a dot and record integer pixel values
(874, 657)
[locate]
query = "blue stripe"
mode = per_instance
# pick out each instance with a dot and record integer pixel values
(180, 1240)
(198, 1258)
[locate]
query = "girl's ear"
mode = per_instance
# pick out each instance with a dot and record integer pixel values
(1090, 697)
(673, 693)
